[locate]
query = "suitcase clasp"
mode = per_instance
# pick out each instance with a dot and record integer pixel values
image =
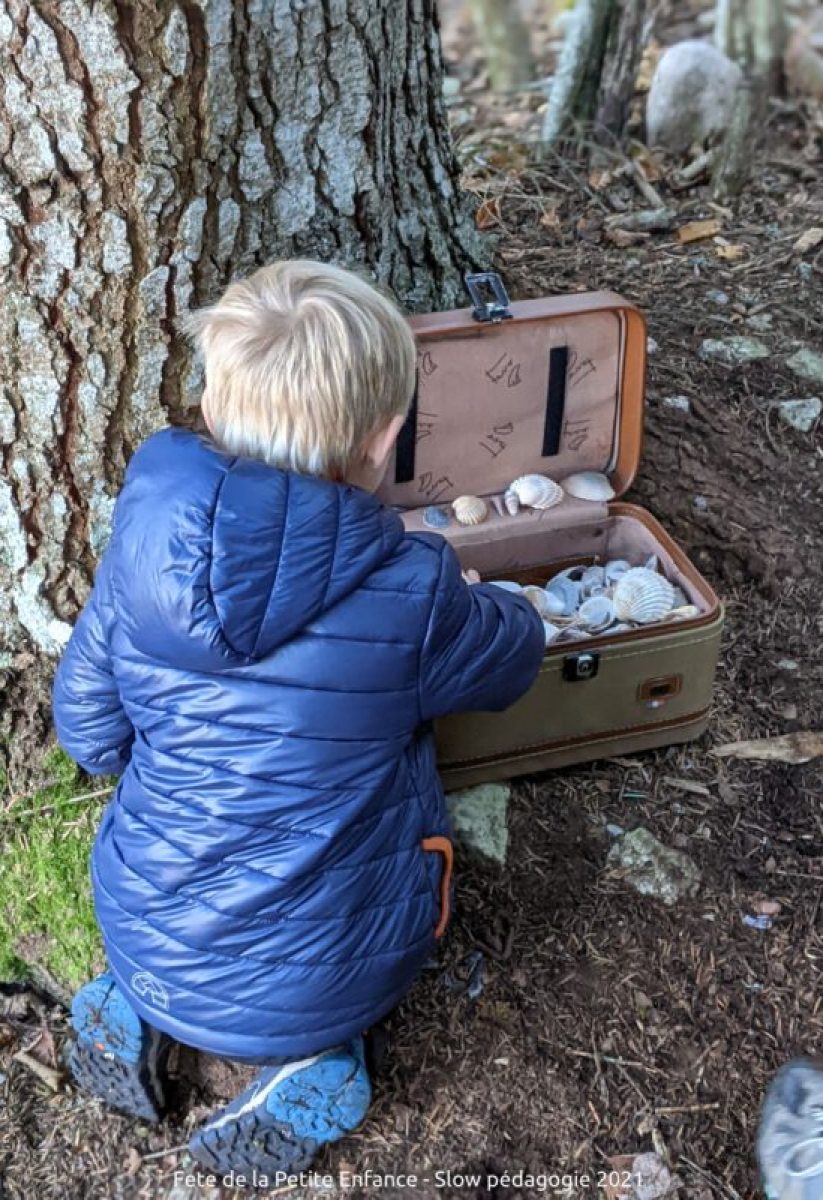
(577, 667)
(488, 310)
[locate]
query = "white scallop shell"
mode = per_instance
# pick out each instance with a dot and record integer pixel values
(596, 613)
(642, 597)
(470, 510)
(532, 491)
(588, 485)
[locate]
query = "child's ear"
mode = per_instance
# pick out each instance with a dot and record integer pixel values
(378, 445)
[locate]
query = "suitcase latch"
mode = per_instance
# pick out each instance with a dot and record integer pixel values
(488, 310)
(577, 667)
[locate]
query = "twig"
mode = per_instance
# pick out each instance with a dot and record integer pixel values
(649, 193)
(48, 1075)
(699, 166)
(618, 1062)
(163, 1153)
(726, 1189)
(685, 1108)
(14, 811)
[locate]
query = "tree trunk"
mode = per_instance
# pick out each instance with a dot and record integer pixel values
(754, 34)
(596, 74)
(504, 37)
(152, 149)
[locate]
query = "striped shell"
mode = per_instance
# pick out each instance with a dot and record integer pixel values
(589, 485)
(470, 510)
(642, 596)
(532, 491)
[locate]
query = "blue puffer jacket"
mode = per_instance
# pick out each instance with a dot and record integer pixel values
(260, 658)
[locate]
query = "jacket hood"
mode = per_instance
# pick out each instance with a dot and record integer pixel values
(216, 560)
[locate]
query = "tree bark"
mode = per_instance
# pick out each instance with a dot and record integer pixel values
(150, 150)
(754, 33)
(504, 37)
(597, 71)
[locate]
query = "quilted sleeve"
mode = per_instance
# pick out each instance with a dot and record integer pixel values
(88, 716)
(483, 646)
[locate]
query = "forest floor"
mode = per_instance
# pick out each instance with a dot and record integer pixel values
(609, 1024)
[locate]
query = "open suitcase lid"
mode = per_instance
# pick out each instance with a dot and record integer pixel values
(551, 386)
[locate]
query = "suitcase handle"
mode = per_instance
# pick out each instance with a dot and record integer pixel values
(483, 309)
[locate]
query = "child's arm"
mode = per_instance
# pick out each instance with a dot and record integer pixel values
(483, 646)
(91, 724)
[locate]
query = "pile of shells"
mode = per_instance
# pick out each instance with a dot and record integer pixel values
(615, 597)
(529, 491)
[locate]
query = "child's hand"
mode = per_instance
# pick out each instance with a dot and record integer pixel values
(471, 576)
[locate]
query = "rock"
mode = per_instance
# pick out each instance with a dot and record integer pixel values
(691, 96)
(652, 346)
(652, 869)
(652, 1179)
(733, 351)
(479, 821)
(677, 403)
(701, 504)
(718, 297)
(808, 365)
(760, 322)
(800, 414)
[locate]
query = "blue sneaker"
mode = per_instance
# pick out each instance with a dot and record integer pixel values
(790, 1139)
(284, 1117)
(116, 1055)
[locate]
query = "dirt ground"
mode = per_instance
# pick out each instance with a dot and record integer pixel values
(608, 1024)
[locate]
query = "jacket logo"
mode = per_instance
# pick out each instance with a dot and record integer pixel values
(145, 985)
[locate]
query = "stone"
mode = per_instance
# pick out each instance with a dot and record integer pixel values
(691, 96)
(807, 364)
(800, 414)
(652, 869)
(652, 346)
(718, 297)
(677, 403)
(760, 322)
(733, 351)
(479, 819)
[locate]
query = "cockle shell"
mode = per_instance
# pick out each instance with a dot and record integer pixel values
(642, 596)
(435, 517)
(470, 510)
(588, 485)
(596, 613)
(532, 491)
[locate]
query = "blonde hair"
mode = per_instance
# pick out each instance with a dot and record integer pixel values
(303, 361)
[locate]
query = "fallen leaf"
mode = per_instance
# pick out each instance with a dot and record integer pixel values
(600, 179)
(488, 214)
(618, 1183)
(790, 748)
(808, 240)
(696, 231)
(729, 251)
(686, 785)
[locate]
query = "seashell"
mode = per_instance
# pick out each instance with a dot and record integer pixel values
(684, 612)
(642, 597)
(555, 604)
(572, 633)
(498, 506)
(573, 573)
(566, 590)
(552, 632)
(589, 485)
(652, 563)
(615, 569)
(594, 578)
(470, 510)
(621, 627)
(508, 585)
(532, 491)
(436, 517)
(680, 598)
(596, 613)
(540, 599)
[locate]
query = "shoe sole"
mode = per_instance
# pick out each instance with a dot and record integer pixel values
(283, 1123)
(129, 1089)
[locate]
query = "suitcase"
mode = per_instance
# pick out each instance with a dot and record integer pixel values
(552, 386)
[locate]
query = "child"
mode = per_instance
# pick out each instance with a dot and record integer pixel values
(260, 660)
(790, 1138)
